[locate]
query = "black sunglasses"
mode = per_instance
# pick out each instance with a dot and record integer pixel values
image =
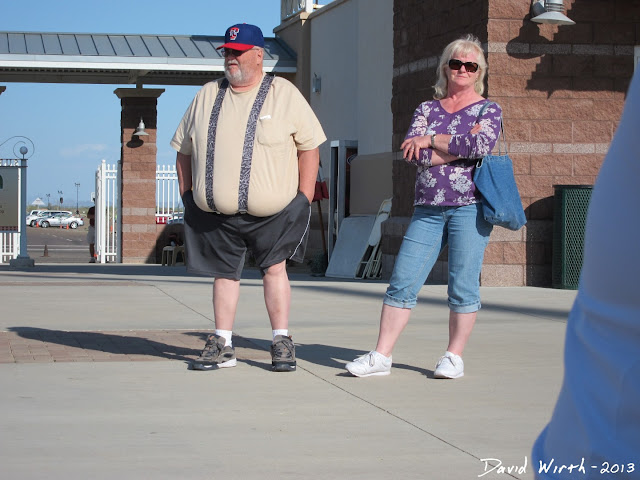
(236, 53)
(455, 64)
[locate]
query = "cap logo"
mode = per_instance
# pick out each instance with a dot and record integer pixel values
(242, 36)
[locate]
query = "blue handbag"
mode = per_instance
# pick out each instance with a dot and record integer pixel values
(495, 180)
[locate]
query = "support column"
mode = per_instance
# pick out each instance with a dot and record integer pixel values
(137, 195)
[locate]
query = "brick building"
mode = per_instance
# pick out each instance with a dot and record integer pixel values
(562, 90)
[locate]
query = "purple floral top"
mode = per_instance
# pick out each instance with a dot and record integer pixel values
(452, 184)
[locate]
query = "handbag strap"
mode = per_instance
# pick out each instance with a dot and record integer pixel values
(501, 138)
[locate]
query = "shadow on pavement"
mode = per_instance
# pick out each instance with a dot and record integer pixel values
(110, 345)
(182, 346)
(324, 355)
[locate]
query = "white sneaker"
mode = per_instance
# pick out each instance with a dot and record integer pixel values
(450, 365)
(372, 363)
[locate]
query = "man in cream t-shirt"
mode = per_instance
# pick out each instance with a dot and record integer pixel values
(247, 165)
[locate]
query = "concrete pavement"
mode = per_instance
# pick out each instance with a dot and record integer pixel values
(95, 381)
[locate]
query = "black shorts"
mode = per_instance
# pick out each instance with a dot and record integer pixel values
(216, 244)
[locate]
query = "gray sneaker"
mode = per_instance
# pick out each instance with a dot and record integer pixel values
(283, 354)
(216, 354)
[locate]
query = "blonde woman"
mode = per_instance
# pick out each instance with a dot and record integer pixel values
(444, 141)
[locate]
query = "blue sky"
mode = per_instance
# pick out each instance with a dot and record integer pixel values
(74, 127)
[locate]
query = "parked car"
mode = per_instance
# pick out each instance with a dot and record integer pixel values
(32, 216)
(60, 219)
(176, 218)
(31, 221)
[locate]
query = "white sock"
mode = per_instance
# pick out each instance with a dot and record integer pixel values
(283, 332)
(226, 334)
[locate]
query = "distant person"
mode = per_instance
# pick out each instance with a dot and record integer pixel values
(91, 234)
(444, 141)
(247, 165)
(596, 421)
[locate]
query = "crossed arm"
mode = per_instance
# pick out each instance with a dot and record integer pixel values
(439, 155)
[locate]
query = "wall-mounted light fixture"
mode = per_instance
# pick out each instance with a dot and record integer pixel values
(140, 129)
(316, 83)
(549, 11)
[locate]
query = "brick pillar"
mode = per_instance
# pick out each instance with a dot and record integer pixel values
(137, 195)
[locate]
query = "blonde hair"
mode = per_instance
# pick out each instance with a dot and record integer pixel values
(469, 44)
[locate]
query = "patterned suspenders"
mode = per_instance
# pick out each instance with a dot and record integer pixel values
(247, 149)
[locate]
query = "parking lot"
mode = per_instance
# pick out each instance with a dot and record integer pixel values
(62, 245)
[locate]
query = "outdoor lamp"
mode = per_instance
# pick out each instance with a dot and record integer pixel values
(549, 11)
(140, 129)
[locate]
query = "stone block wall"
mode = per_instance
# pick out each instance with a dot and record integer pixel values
(140, 235)
(562, 90)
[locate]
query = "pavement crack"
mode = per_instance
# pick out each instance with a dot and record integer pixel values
(177, 300)
(398, 417)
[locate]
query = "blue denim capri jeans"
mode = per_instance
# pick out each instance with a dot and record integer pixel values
(466, 232)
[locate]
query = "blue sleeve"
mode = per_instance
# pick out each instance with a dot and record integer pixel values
(477, 145)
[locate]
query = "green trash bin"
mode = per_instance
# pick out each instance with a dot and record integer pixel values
(571, 203)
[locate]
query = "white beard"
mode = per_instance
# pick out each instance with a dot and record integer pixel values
(237, 77)
(234, 78)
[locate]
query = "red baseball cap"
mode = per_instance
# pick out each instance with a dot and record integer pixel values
(243, 36)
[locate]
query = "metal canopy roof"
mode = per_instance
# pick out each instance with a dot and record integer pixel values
(121, 59)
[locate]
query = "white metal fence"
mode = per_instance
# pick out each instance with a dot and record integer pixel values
(9, 246)
(168, 201)
(108, 216)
